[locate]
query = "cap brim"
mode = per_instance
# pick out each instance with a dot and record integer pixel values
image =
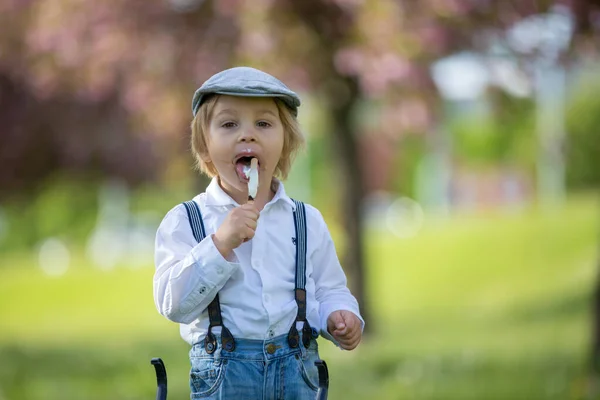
(287, 99)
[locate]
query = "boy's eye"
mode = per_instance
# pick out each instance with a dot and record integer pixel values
(228, 125)
(263, 124)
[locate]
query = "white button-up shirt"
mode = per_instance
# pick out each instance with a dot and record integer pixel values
(256, 286)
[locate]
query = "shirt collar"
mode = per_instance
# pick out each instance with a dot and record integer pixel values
(216, 196)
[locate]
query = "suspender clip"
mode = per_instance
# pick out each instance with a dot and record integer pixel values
(307, 334)
(210, 343)
(293, 336)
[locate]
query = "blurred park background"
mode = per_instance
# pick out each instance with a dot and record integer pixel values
(453, 149)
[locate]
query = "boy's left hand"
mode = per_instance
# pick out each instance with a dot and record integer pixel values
(345, 327)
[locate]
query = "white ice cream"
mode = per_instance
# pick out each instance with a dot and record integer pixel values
(252, 174)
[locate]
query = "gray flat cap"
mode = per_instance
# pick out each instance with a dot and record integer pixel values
(245, 82)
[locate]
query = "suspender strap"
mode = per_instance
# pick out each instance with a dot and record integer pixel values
(300, 292)
(214, 308)
(300, 225)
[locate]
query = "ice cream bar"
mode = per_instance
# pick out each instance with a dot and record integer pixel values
(252, 175)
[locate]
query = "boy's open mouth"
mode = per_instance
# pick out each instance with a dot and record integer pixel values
(241, 164)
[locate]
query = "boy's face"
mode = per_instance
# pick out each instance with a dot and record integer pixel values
(241, 128)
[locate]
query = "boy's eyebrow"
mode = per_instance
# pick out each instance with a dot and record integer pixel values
(226, 111)
(233, 111)
(267, 112)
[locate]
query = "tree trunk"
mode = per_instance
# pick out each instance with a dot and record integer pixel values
(344, 141)
(331, 24)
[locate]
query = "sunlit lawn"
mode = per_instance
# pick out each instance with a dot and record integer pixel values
(493, 306)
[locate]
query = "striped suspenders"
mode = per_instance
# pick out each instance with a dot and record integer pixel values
(214, 308)
(300, 291)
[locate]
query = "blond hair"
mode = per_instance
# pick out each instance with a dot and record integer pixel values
(293, 139)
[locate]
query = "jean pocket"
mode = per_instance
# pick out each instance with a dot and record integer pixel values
(206, 375)
(308, 369)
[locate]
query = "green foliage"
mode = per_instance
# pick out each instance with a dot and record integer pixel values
(410, 151)
(490, 306)
(583, 140)
(66, 207)
(63, 207)
(500, 129)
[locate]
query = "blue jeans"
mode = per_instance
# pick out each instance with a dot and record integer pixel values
(256, 369)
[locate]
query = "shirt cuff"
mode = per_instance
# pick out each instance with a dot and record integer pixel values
(216, 269)
(212, 270)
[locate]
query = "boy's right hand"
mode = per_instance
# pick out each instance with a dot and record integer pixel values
(238, 227)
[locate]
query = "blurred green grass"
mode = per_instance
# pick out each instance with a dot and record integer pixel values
(492, 305)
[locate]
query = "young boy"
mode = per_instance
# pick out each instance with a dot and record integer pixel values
(251, 294)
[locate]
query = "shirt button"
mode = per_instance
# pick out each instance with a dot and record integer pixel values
(202, 289)
(271, 333)
(267, 298)
(220, 270)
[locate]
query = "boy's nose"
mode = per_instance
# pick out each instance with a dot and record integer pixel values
(247, 136)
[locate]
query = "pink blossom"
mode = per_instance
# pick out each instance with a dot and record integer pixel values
(136, 94)
(349, 61)
(256, 43)
(43, 79)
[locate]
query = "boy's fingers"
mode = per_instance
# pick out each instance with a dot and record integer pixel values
(353, 335)
(352, 340)
(341, 332)
(251, 223)
(340, 328)
(335, 322)
(349, 324)
(336, 317)
(248, 234)
(353, 344)
(250, 208)
(251, 215)
(348, 345)
(350, 320)
(345, 333)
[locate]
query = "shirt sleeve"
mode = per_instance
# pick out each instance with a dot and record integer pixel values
(188, 274)
(331, 289)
